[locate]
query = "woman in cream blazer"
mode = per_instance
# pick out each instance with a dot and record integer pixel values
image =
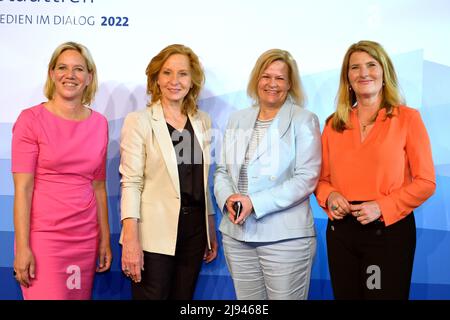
(168, 226)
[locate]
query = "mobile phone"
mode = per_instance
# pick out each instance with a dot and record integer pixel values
(237, 207)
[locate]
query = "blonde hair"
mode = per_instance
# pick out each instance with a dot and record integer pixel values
(91, 89)
(189, 105)
(272, 55)
(346, 98)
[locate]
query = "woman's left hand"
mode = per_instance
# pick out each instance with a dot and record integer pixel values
(210, 255)
(366, 212)
(104, 257)
(247, 207)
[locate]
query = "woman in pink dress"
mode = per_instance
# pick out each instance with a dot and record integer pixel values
(58, 164)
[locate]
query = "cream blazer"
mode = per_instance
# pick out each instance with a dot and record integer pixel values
(150, 185)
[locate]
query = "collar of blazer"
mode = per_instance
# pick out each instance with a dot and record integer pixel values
(281, 123)
(159, 126)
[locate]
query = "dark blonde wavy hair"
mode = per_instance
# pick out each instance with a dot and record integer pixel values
(91, 89)
(272, 55)
(346, 98)
(197, 75)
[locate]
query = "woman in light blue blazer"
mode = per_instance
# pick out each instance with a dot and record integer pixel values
(270, 162)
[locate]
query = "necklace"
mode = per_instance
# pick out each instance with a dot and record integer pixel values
(365, 126)
(368, 123)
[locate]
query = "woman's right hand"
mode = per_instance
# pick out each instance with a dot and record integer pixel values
(24, 266)
(132, 254)
(338, 206)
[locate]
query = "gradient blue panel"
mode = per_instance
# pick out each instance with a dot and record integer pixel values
(318, 212)
(5, 136)
(409, 68)
(432, 259)
(221, 107)
(320, 290)
(114, 214)
(113, 176)
(7, 183)
(435, 212)
(436, 111)
(7, 252)
(443, 170)
(112, 285)
(212, 287)
(114, 128)
(320, 264)
(9, 288)
(116, 249)
(320, 89)
(429, 291)
(436, 80)
(6, 213)
(436, 120)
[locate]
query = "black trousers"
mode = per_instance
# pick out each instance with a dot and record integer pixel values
(371, 261)
(175, 277)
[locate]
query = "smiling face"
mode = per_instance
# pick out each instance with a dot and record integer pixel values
(365, 75)
(274, 85)
(174, 79)
(70, 76)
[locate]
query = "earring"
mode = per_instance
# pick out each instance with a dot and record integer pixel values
(349, 88)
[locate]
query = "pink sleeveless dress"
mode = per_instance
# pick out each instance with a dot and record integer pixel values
(65, 157)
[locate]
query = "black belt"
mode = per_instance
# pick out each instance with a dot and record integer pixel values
(189, 210)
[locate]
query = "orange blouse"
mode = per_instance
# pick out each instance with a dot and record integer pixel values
(392, 166)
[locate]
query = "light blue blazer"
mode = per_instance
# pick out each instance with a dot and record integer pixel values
(282, 174)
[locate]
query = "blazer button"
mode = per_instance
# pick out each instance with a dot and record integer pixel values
(332, 228)
(272, 178)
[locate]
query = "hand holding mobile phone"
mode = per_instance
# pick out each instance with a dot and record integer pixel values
(237, 207)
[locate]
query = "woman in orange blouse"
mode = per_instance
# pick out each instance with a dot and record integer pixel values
(376, 169)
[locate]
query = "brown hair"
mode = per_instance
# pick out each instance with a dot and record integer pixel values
(197, 75)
